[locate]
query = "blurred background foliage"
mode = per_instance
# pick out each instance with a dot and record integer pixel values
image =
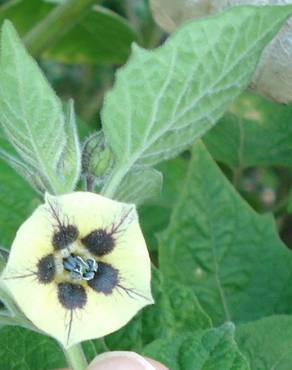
(252, 142)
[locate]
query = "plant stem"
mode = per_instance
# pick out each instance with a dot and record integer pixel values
(89, 183)
(114, 181)
(75, 357)
(8, 320)
(59, 21)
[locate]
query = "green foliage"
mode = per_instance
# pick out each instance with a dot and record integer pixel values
(140, 185)
(17, 201)
(101, 37)
(189, 319)
(128, 338)
(229, 251)
(175, 107)
(26, 350)
(289, 205)
(30, 113)
(255, 132)
(267, 342)
(213, 349)
(173, 172)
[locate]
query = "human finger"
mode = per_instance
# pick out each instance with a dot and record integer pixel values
(123, 360)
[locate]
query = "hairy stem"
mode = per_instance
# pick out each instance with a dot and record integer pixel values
(75, 357)
(56, 24)
(8, 320)
(111, 186)
(90, 183)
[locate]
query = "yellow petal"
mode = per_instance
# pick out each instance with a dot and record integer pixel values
(90, 226)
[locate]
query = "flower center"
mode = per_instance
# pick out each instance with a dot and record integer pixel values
(79, 268)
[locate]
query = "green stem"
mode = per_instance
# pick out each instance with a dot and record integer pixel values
(59, 21)
(114, 181)
(75, 357)
(8, 320)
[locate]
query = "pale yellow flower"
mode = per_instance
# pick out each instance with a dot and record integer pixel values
(79, 267)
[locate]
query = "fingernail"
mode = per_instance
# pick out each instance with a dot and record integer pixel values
(120, 360)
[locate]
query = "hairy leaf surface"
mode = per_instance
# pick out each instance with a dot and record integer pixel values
(267, 342)
(212, 349)
(166, 98)
(26, 350)
(32, 119)
(140, 185)
(255, 132)
(223, 250)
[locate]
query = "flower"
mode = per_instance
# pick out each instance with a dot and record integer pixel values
(79, 267)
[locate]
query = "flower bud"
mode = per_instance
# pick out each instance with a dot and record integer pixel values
(97, 158)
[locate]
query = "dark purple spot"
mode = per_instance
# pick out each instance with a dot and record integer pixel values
(105, 280)
(64, 236)
(71, 296)
(46, 269)
(99, 242)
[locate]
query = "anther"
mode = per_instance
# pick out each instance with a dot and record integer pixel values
(79, 268)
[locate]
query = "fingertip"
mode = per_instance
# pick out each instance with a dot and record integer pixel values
(123, 360)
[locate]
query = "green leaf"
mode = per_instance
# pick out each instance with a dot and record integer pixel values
(223, 250)
(255, 132)
(183, 310)
(19, 167)
(176, 310)
(289, 206)
(101, 37)
(167, 351)
(173, 173)
(165, 99)
(140, 185)
(267, 342)
(155, 318)
(128, 338)
(69, 166)
(26, 350)
(213, 349)
(32, 119)
(17, 201)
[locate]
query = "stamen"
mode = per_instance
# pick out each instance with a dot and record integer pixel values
(79, 268)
